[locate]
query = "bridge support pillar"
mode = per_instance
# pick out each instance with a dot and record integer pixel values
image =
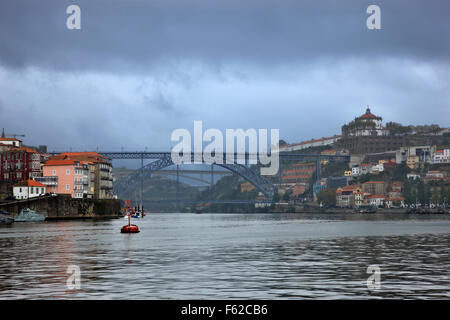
(212, 181)
(178, 182)
(142, 178)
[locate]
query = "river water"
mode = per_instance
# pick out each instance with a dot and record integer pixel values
(229, 256)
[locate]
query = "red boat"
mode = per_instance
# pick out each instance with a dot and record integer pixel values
(129, 228)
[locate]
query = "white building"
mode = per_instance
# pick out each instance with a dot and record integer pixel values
(441, 156)
(376, 200)
(378, 168)
(28, 189)
(11, 142)
(309, 144)
(355, 171)
(366, 125)
(413, 176)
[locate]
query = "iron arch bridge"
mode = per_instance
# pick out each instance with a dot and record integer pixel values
(121, 186)
(164, 159)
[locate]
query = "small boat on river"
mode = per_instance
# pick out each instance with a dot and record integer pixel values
(28, 215)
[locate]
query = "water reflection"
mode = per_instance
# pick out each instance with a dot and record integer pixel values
(223, 256)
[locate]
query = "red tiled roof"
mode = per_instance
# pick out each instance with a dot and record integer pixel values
(373, 182)
(26, 149)
(351, 187)
(90, 154)
(376, 196)
(29, 183)
(395, 199)
(305, 176)
(368, 115)
(8, 139)
(92, 157)
(65, 162)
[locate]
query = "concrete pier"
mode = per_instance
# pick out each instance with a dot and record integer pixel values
(66, 207)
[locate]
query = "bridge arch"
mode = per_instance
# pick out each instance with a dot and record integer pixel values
(262, 184)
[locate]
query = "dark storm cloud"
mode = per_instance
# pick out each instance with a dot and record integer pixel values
(139, 35)
(139, 69)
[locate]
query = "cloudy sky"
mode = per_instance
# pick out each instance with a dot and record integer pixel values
(137, 70)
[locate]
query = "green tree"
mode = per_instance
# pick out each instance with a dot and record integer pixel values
(435, 196)
(441, 193)
(327, 197)
(276, 197)
(421, 192)
(400, 172)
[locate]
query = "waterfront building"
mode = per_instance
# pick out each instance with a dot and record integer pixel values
(359, 198)
(345, 196)
(19, 163)
(396, 189)
(28, 189)
(375, 187)
(67, 177)
(356, 171)
(101, 177)
(376, 200)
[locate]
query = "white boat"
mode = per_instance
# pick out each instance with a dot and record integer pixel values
(28, 215)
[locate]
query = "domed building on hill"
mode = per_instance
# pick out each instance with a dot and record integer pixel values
(366, 125)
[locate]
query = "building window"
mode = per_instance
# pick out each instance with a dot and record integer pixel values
(67, 187)
(54, 172)
(68, 172)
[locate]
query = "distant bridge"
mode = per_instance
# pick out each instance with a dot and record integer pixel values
(240, 166)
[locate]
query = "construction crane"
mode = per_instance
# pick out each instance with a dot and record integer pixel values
(14, 135)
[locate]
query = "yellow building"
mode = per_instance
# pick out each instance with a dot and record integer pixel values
(412, 162)
(348, 173)
(359, 198)
(247, 187)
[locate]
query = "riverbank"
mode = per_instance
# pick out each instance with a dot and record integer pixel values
(64, 207)
(318, 209)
